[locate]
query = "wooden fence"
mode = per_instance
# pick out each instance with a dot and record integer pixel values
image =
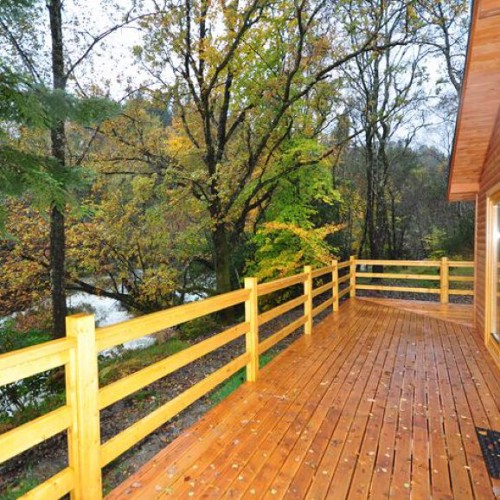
(78, 351)
(443, 276)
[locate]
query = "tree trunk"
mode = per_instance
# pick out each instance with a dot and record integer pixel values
(58, 140)
(57, 271)
(222, 259)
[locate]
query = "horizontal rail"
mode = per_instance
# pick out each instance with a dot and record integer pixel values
(29, 361)
(460, 263)
(84, 341)
(322, 289)
(110, 336)
(120, 443)
(322, 307)
(57, 486)
(455, 291)
(398, 276)
(26, 436)
(397, 289)
(282, 309)
(404, 263)
(274, 286)
(322, 271)
(465, 279)
(281, 334)
(128, 385)
(444, 277)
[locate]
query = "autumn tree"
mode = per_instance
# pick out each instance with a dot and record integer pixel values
(386, 93)
(445, 31)
(134, 237)
(445, 27)
(25, 52)
(294, 229)
(242, 73)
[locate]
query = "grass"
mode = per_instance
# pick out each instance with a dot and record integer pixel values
(233, 382)
(26, 483)
(111, 369)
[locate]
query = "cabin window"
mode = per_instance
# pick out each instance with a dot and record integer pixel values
(495, 295)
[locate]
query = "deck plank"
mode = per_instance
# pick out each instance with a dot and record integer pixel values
(341, 427)
(384, 461)
(363, 470)
(470, 411)
(305, 424)
(255, 446)
(457, 462)
(439, 472)
(380, 401)
(455, 313)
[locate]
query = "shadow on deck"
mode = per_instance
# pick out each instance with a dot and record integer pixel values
(383, 399)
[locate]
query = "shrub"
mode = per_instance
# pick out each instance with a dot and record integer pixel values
(198, 327)
(30, 392)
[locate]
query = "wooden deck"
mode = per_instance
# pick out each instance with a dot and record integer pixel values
(380, 401)
(457, 313)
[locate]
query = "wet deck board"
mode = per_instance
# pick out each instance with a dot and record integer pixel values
(380, 401)
(455, 313)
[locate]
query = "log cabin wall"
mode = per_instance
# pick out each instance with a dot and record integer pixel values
(489, 184)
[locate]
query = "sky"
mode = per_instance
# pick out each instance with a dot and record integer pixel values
(112, 66)
(113, 69)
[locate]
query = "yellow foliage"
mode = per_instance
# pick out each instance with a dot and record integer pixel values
(287, 247)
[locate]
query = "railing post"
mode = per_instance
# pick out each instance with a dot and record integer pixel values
(82, 392)
(335, 285)
(308, 289)
(352, 280)
(252, 336)
(444, 281)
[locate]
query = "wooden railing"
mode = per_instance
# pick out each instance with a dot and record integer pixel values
(80, 415)
(443, 277)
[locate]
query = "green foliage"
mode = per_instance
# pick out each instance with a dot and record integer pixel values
(32, 395)
(293, 233)
(239, 378)
(11, 339)
(455, 242)
(419, 221)
(17, 102)
(191, 330)
(28, 106)
(26, 483)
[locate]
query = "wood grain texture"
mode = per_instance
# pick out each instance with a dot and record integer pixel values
(456, 313)
(379, 401)
(119, 333)
(479, 103)
(57, 486)
(125, 386)
(33, 432)
(35, 359)
(489, 191)
(252, 336)
(82, 395)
